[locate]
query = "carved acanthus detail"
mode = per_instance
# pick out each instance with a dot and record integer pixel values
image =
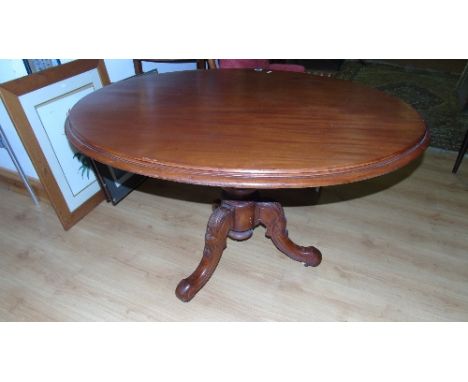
(219, 225)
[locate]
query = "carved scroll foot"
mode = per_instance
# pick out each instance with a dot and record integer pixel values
(271, 215)
(219, 225)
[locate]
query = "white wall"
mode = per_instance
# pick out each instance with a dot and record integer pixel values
(15, 143)
(11, 69)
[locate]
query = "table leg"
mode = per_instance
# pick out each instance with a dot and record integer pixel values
(219, 225)
(271, 215)
(236, 217)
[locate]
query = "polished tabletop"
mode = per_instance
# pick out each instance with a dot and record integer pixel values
(247, 129)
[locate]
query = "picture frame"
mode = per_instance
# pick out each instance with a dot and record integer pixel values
(37, 105)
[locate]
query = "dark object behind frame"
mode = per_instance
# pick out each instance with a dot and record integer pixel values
(117, 184)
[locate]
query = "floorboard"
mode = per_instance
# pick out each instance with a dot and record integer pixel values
(395, 248)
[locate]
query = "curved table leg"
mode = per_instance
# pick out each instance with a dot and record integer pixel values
(271, 215)
(220, 223)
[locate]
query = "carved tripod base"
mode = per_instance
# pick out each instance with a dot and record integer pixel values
(236, 217)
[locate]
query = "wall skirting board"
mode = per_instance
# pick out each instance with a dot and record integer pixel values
(14, 183)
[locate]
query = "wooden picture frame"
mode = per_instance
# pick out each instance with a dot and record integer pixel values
(37, 104)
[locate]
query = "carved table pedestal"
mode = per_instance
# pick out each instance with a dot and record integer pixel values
(236, 217)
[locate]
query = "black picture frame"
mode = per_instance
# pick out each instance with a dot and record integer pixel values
(117, 184)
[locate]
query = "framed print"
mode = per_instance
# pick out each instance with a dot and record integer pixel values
(37, 105)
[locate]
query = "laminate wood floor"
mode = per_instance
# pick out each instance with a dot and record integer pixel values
(395, 248)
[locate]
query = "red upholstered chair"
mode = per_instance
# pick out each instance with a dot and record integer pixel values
(258, 64)
(287, 68)
(243, 64)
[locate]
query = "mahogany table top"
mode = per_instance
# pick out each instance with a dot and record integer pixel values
(247, 129)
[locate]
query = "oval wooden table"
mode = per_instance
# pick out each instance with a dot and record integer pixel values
(245, 130)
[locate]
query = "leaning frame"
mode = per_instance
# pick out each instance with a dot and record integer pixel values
(12, 93)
